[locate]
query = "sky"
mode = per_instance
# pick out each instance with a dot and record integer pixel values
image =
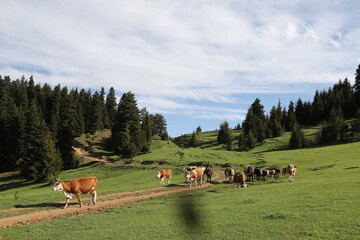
(197, 62)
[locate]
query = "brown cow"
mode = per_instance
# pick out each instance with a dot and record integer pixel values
(285, 172)
(195, 176)
(229, 174)
(78, 187)
(165, 173)
(239, 180)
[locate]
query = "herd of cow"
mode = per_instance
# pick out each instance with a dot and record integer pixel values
(194, 175)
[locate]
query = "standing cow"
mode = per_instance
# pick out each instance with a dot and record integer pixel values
(208, 172)
(195, 176)
(249, 172)
(77, 187)
(239, 180)
(229, 174)
(163, 174)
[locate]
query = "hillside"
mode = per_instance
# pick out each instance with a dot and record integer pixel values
(320, 204)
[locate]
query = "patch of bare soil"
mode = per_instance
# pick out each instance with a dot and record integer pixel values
(104, 202)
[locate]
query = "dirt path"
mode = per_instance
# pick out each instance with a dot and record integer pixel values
(104, 202)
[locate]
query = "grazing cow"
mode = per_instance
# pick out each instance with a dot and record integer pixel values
(265, 174)
(78, 187)
(271, 173)
(229, 174)
(163, 174)
(249, 172)
(239, 180)
(208, 172)
(277, 171)
(195, 176)
(292, 171)
(258, 173)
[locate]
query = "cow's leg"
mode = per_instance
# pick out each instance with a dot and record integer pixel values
(93, 198)
(78, 197)
(169, 180)
(67, 202)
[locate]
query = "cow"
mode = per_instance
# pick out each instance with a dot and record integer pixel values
(185, 170)
(208, 172)
(229, 174)
(258, 173)
(239, 180)
(249, 172)
(271, 173)
(292, 171)
(195, 176)
(285, 172)
(77, 187)
(163, 174)
(277, 172)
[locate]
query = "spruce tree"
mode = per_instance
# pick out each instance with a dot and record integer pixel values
(297, 139)
(146, 127)
(126, 134)
(41, 161)
(255, 121)
(224, 135)
(111, 106)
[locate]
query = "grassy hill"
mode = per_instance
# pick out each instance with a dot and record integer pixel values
(322, 202)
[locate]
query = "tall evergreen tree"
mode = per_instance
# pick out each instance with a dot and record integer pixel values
(160, 126)
(147, 126)
(127, 138)
(297, 139)
(255, 121)
(224, 135)
(111, 105)
(41, 161)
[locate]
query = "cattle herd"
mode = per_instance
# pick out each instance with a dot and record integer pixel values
(193, 175)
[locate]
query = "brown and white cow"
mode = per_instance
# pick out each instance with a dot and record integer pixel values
(195, 176)
(77, 187)
(292, 171)
(229, 174)
(239, 180)
(285, 172)
(163, 174)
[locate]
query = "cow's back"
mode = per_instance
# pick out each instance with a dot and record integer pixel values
(84, 185)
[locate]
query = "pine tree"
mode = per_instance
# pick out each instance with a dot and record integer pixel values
(41, 161)
(297, 139)
(160, 126)
(224, 135)
(194, 141)
(127, 137)
(68, 129)
(111, 106)
(255, 121)
(147, 126)
(198, 129)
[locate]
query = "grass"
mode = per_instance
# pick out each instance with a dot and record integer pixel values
(322, 203)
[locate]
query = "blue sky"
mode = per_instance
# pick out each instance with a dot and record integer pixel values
(197, 62)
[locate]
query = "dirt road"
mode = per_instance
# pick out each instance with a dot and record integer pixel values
(104, 202)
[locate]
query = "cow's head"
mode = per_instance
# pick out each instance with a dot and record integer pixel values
(58, 186)
(158, 174)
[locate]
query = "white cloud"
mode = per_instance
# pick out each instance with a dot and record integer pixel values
(177, 51)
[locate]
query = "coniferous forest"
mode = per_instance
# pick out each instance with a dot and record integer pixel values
(38, 125)
(336, 110)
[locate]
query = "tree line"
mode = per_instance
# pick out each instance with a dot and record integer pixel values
(336, 110)
(38, 125)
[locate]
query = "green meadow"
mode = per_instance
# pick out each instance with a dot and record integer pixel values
(322, 202)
